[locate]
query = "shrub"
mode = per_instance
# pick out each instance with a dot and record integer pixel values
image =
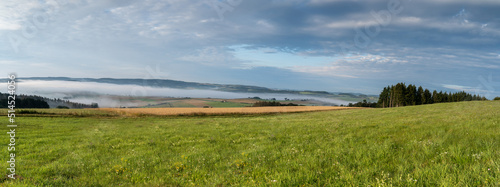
(271, 103)
(29, 112)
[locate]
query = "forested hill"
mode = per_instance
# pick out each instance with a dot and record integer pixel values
(34, 101)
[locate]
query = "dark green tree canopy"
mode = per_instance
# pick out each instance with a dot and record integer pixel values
(402, 95)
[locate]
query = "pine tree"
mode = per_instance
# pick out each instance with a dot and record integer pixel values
(399, 95)
(427, 99)
(391, 96)
(383, 100)
(419, 96)
(411, 95)
(435, 97)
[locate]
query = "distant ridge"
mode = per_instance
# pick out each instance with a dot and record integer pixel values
(166, 83)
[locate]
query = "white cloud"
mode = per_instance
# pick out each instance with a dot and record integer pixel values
(330, 71)
(13, 14)
(469, 89)
(350, 24)
(321, 2)
(265, 27)
(457, 87)
(84, 22)
(213, 56)
(8, 25)
(7, 62)
(355, 66)
(409, 20)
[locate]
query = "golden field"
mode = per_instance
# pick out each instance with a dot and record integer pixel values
(203, 111)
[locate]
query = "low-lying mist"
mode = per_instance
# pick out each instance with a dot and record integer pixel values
(102, 93)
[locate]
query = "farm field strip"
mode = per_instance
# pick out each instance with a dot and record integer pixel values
(242, 110)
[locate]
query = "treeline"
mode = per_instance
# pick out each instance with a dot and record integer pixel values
(23, 102)
(61, 103)
(34, 101)
(271, 103)
(362, 104)
(402, 95)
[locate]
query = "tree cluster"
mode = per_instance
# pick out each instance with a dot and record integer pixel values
(271, 103)
(402, 95)
(62, 102)
(363, 104)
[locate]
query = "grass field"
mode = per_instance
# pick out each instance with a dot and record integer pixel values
(452, 144)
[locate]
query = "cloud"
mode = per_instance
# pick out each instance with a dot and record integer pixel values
(6, 25)
(482, 90)
(214, 56)
(458, 87)
(13, 13)
(356, 66)
(450, 39)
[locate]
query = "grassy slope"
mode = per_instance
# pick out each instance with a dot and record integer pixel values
(453, 144)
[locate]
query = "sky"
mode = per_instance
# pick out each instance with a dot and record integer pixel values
(328, 45)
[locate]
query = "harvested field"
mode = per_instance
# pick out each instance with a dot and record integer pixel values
(195, 102)
(245, 110)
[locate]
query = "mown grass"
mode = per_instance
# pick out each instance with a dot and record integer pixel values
(59, 112)
(452, 144)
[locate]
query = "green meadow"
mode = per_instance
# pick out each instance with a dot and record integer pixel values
(450, 144)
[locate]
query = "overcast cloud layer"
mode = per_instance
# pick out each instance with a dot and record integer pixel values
(331, 45)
